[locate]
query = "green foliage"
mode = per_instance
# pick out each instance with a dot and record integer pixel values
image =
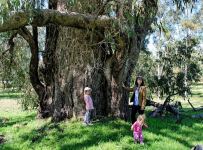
(144, 67)
(180, 80)
(194, 72)
(172, 61)
(29, 99)
(14, 68)
(72, 2)
(175, 58)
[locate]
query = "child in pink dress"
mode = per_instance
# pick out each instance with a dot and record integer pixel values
(137, 129)
(89, 106)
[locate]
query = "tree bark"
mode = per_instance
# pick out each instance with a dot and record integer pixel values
(49, 62)
(80, 65)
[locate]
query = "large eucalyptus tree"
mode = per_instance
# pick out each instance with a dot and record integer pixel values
(92, 43)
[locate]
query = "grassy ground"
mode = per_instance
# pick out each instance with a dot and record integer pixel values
(22, 131)
(9, 94)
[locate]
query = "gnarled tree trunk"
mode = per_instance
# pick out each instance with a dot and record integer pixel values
(82, 59)
(78, 54)
(49, 62)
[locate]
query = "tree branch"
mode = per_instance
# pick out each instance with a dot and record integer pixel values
(43, 17)
(25, 33)
(33, 69)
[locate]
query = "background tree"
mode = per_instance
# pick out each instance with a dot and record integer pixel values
(172, 56)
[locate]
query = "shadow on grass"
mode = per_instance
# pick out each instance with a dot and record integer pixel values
(37, 135)
(198, 84)
(10, 96)
(166, 127)
(197, 94)
(75, 136)
(114, 133)
(11, 121)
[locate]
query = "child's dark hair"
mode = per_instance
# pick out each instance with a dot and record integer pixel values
(139, 78)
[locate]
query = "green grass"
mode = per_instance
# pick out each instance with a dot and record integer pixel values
(197, 91)
(22, 131)
(9, 94)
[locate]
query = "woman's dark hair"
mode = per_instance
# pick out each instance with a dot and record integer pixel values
(139, 78)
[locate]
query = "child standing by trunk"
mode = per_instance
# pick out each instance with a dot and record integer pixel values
(89, 106)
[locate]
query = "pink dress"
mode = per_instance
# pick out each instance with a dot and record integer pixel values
(89, 109)
(88, 102)
(137, 132)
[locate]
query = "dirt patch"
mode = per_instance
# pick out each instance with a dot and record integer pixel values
(7, 105)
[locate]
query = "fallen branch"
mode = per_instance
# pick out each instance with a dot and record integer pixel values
(172, 108)
(191, 104)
